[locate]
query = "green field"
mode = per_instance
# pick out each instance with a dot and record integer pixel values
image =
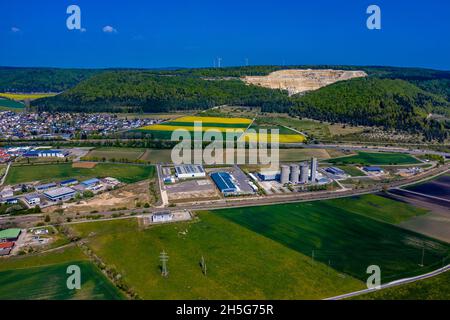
(126, 173)
(6, 104)
(340, 233)
(117, 154)
(241, 264)
(376, 158)
(352, 171)
(435, 288)
(44, 276)
(49, 283)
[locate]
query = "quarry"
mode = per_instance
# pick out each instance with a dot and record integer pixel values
(302, 80)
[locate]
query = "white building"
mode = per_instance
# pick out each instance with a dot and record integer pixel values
(33, 199)
(162, 217)
(7, 192)
(189, 171)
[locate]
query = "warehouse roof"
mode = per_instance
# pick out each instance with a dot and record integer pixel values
(69, 181)
(10, 233)
(59, 192)
(90, 181)
(189, 169)
(224, 181)
(45, 186)
(372, 169)
(6, 245)
(31, 196)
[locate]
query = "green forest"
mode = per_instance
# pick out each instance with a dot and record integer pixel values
(145, 91)
(391, 97)
(376, 102)
(41, 79)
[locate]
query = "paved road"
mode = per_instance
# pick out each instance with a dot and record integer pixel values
(393, 283)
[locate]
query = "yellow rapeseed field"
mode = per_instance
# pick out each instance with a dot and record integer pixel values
(163, 127)
(25, 96)
(282, 138)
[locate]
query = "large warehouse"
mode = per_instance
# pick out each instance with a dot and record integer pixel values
(60, 194)
(224, 181)
(189, 171)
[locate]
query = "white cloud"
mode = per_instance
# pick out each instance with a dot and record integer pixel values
(15, 29)
(109, 29)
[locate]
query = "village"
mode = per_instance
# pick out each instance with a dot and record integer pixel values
(49, 125)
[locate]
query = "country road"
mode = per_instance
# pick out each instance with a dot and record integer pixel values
(393, 284)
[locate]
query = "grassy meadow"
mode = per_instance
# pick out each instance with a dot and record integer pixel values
(49, 283)
(435, 288)
(10, 105)
(126, 173)
(241, 264)
(376, 158)
(341, 233)
(43, 277)
(117, 154)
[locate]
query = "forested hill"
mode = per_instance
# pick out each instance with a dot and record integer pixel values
(391, 97)
(147, 91)
(373, 101)
(41, 79)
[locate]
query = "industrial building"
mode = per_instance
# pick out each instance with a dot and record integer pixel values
(44, 187)
(60, 194)
(373, 169)
(269, 175)
(7, 192)
(68, 183)
(90, 183)
(10, 234)
(45, 154)
(12, 200)
(162, 217)
(32, 199)
(335, 171)
(5, 248)
(189, 171)
(224, 181)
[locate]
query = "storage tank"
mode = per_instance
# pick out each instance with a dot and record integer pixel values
(284, 178)
(295, 173)
(304, 172)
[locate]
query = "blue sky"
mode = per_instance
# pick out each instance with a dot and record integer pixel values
(193, 33)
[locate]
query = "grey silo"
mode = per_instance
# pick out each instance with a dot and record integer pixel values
(304, 172)
(284, 178)
(295, 173)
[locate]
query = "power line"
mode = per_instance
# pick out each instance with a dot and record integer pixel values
(164, 258)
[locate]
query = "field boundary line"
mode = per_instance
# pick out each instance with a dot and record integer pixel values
(394, 283)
